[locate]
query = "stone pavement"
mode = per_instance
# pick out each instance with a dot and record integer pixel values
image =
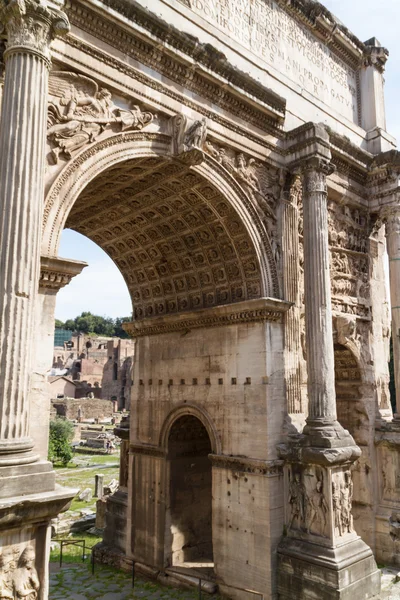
(75, 582)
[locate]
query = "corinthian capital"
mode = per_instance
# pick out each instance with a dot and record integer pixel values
(315, 170)
(31, 25)
(391, 217)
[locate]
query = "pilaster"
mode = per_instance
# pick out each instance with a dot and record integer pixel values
(55, 273)
(291, 292)
(392, 224)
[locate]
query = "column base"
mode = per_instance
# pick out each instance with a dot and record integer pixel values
(320, 433)
(307, 571)
(29, 479)
(17, 452)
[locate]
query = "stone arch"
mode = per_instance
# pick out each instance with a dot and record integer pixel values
(140, 151)
(194, 411)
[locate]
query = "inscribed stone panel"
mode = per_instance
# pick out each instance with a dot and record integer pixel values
(270, 33)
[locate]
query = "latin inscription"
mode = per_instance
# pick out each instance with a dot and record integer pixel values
(269, 32)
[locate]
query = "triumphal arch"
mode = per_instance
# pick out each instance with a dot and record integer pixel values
(232, 158)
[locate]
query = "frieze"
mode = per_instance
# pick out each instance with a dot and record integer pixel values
(216, 317)
(271, 468)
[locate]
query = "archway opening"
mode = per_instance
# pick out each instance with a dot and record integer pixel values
(347, 385)
(189, 515)
(178, 242)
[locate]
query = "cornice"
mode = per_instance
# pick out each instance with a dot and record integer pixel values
(56, 273)
(335, 35)
(147, 450)
(250, 311)
(183, 59)
(163, 90)
(253, 466)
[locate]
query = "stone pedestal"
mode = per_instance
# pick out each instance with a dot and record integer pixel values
(321, 556)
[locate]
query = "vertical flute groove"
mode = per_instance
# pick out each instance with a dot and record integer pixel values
(319, 335)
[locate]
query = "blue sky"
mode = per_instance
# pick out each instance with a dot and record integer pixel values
(101, 288)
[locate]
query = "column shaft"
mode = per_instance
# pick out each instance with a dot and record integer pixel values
(393, 248)
(30, 27)
(318, 309)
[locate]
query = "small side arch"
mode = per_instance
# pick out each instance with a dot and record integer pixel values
(194, 411)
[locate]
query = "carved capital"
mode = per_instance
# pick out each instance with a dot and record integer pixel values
(391, 218)
(31, 26)
(314, 171)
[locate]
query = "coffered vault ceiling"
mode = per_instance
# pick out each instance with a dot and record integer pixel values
(177, 241)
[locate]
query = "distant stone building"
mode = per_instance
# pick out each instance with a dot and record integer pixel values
(96, 364)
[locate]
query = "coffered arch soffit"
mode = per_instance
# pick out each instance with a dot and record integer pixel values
(184, 237)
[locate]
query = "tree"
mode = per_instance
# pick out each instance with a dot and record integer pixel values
(89, 323)
(61, 434)
(59, 324)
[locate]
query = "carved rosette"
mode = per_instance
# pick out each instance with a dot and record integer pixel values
(31, 27)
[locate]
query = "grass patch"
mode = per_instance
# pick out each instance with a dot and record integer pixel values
(71, 553)
(81, 476)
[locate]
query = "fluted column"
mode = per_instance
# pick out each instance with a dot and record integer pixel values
(392, 222)
(291, 291)
(30, 27)
(322, 422)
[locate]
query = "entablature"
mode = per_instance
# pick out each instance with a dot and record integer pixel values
(183, 59)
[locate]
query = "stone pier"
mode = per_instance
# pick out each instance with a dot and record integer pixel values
(320, 554)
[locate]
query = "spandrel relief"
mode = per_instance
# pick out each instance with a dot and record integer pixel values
(263, 185)
(79, 112)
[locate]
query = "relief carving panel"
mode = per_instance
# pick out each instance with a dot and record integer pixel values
(79, 113)
(18, 576)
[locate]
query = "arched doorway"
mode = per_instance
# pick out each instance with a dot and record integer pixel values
(347, 384)
(189, 511)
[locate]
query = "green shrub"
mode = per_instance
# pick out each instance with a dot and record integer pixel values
(61, 434)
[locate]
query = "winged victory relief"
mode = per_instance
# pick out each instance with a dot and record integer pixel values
(79, 112)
